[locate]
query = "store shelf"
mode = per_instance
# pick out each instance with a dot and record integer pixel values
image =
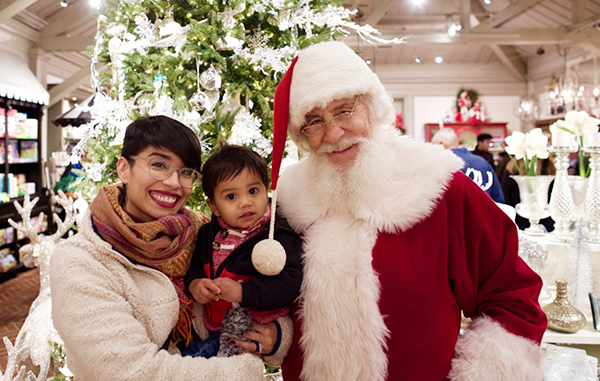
(587, 335)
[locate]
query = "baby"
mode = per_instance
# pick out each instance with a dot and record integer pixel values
(235, 180)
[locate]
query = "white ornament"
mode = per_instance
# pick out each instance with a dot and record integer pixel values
(210, 79)
(199, 100)
(246, 131)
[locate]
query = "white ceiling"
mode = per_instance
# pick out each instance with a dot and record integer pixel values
(504, 33)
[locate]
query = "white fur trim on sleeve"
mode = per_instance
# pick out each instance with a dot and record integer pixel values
(486, 351)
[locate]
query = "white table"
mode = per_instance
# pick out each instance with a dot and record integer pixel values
(587, 338)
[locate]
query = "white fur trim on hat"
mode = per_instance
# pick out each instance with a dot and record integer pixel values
(326, 72)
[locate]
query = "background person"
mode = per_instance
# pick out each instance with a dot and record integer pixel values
(483, 148)
(476, 168)
(118, 298)
(396, 242)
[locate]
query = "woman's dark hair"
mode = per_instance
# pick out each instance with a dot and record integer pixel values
(229, 161)
(166, 133)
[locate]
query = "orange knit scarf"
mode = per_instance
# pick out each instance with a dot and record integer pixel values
(166, 244)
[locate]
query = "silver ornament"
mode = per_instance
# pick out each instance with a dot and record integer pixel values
(210, 79)
(198, 101)
(213, 99)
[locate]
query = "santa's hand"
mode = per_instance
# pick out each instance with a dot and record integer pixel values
(204, 290)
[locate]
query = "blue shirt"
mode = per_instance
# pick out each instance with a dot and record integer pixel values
(481, 172)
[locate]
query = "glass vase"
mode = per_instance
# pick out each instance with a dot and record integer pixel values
(592, 196)
(562, 316)
(533, 191)
(562, 208)
(578, 186)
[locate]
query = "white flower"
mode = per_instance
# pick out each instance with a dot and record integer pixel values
(529, 146)
(516, 145)
(536, 144)
(579, 123)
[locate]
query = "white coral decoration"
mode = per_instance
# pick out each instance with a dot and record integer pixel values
(37, 334)
(529, 145)
(246, 131)
(580, 123)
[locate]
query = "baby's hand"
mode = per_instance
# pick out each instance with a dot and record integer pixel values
(230, 289)
(204, 290)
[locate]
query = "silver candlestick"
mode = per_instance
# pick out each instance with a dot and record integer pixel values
(561, 199)
(592, 197)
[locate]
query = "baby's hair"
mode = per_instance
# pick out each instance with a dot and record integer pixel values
(229, 161)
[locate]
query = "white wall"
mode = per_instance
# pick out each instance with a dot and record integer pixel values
(432, 109)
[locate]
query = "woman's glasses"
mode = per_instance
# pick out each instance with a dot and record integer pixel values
(341, 119)
(160, 169)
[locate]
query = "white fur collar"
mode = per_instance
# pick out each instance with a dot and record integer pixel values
(418, 175)
(344, 334)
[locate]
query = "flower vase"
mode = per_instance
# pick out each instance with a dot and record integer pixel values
(592, 196)
(562, 316)
(533, 191)
(562, 207)
(578, 186)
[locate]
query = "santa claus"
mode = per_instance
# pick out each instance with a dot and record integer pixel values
(397, 242)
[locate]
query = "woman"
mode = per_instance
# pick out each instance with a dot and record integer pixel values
(118, 299)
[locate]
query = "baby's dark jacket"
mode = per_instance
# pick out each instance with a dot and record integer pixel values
(260, 292)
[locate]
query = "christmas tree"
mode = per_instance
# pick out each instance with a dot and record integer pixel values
(213, 65)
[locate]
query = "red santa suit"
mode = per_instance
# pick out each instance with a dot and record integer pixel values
(385, 282)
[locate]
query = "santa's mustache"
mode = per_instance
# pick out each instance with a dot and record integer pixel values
(338, 146)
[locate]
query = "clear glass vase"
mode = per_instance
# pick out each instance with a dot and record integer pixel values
(533, 191)
(562, 208)
(578, 186)
(592, 197)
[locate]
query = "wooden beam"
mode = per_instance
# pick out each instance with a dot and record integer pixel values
(585, 23)
(488, 37)
(512, 61)
(507, 54)
(578, 8)
(506, 14)
(54, 44)
(588, 40)
(58, 92)
(377, 13)
(67, 18)
(465, 15)
(12, 9)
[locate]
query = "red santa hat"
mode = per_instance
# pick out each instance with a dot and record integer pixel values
(326, 72)
(319, 75)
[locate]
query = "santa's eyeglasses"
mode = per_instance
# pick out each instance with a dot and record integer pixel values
(342, 117)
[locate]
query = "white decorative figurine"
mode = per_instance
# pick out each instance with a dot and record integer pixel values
(38, 332)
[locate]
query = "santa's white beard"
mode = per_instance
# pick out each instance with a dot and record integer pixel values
(342, 188)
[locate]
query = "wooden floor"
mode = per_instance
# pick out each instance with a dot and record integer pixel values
(16, 296)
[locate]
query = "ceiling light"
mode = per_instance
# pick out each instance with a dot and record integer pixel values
(488, 2)
(418, 2)
(439, 59)
(368, 61)
(74, 99)
(418, 59)
(453, 29)
(64, 4)
(596, 91)
(95, 3)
